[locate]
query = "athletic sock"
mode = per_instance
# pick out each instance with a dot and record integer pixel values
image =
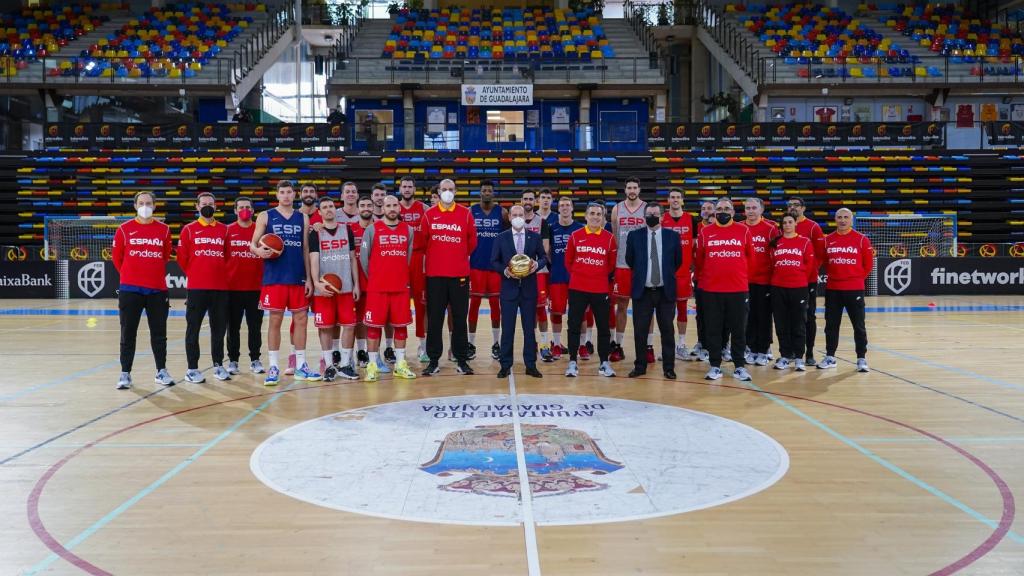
(650, 339)
(360, 343)
(619, 337)
(681, 340)
(273, 358)
(336, 345)
(346, 356)
(556, 337)
(496, 335)
(328, 357)
(300, 358)
(375, 357)
(472, 338)
(389, 343)
(400, 354)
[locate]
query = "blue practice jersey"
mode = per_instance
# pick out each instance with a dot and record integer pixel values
(288, 268)
(488, 226)
(559, 240)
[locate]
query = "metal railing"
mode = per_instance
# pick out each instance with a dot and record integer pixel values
(246, 57)
(891, 70)
(663, 13)
(375, 70)
(733, 39)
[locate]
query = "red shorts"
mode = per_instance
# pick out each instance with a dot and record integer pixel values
(336, 310)
(485, 283)
(558, 294)
(684, 286)
(418, 278)
(542, 289)
(281, 297)
(387, 308)
(623, 284)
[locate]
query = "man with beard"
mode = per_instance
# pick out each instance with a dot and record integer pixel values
(759, 319)
(385, 253)
(363, 221)
(627, 215)
(245, 272)
(484, 280)
(685, 225)
(707, 217)
(377, 194)
(538, 225)
(412, 214)
(812, 231)
(332, 251)
(450, 236)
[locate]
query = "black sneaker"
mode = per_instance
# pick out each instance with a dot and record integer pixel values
(431, 369)
(471, 351)
(389, 355)
(329, 374)
(464, 368)
(348, 373)
(363, 358)
(590, 347)
(335, 357)
(496, 351)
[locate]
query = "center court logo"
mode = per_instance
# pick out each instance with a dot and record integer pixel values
(92, 278)
(897, 276)
(453, 460)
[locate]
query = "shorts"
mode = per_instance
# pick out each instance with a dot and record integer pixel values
(418, 278)
(336, 310)
(558, 294)
(542, 289)
(384, 308)
(684, 286)
(623, 284)
(281, 297)
(484, 283)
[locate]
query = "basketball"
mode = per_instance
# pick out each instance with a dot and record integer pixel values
(274, 242)
(333, 280)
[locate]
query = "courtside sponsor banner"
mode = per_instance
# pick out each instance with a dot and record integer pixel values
(497, 94)
(100, 280)
(27, 280)
(950, 276)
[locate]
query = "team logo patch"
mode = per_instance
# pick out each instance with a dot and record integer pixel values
(456, 460)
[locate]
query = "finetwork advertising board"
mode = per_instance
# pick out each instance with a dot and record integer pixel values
(950, 276)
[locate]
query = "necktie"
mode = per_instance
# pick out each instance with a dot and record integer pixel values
(655, 262)
(519, 243)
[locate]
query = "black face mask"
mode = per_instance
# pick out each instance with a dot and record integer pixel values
(206, 211)
(653, 220)
(309, 200)
(723, 218)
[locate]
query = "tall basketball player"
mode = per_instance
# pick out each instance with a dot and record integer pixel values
(412, 213)
(684, 224)
(627, 216)
(538, 225)
(484, 281)
(558, 282)
(286, 283)
(332, 251)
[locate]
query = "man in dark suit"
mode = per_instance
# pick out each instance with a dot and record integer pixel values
(518, 295)
(654, 255)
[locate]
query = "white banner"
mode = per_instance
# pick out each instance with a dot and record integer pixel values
(497, 94)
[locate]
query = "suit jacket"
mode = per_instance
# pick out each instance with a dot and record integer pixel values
(638, 258)
(501, 254)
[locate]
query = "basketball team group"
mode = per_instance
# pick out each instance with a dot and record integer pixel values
(360, 265)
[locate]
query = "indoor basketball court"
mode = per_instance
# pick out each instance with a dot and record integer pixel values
(913, 468)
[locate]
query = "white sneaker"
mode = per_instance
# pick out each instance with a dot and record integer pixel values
(726, 355)
(256, 367)
(233, 368)
(221, 373)
(124, 382)
(194, 376)
(714, 373)
(606, 369)
(695, 352)
(163, 378)
(749, 357)
(741, 374)
(800, 367)
(761, 360)
(572, 370)
(704, 356)
(682, 353)
(826, 363)
(862, 365)
(781, 364)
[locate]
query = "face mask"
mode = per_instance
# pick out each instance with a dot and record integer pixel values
(723, 218)
(245, 214)
(206, 211)
(309, 200)
(518, 222)
(144, 211)
(447, 197)
(652, 220)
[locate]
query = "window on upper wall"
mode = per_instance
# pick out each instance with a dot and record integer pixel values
(505, 126)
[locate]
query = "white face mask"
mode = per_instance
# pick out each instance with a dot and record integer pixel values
(518, 222)
(447, 196)
(144, 211)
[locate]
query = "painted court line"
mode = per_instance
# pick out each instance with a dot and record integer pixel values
(886, 464)
(525, 493)
(958, 440)
(113, 514)
(951, 369)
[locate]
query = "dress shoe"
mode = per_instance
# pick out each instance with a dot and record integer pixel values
(503, 373)
(670, 374)
(635, 372)
(532, 371)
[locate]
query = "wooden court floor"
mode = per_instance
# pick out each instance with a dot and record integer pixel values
(915, 468)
